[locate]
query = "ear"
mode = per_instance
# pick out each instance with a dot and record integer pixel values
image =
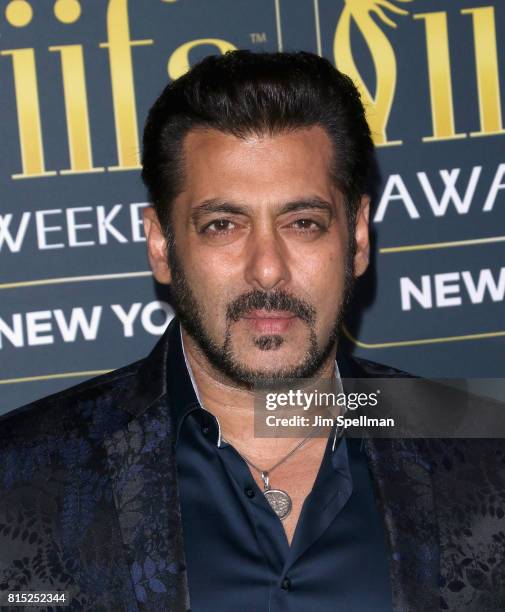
(157, 248)
(361, 236)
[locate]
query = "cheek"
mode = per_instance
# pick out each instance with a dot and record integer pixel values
(213, 269)
(322, 279)
(321, 272)
(213, 281)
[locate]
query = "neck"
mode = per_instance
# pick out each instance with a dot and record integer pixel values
(233, 405)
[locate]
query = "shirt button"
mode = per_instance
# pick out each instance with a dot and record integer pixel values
(205, 430)
(249, 491)
(286, 584)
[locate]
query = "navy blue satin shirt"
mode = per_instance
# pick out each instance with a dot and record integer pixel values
(237, 554)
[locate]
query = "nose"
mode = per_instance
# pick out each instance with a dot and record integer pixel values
(267, 261)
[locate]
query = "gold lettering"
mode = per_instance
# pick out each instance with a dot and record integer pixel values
(486, 64)
(19, 13)
(178, 64)
(67, 11)
(76, 107)
(28, 111)
(123, 89)
(439, 73)
(383, 56)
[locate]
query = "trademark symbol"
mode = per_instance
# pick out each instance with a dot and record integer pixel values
(258, 37)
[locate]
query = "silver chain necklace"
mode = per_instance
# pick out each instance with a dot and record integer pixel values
(279, 500)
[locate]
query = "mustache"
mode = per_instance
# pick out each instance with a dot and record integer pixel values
(263, 300)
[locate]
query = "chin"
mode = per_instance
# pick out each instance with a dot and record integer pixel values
(269, 356)
(267, 371)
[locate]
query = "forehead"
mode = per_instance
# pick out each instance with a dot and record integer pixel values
(258, 166)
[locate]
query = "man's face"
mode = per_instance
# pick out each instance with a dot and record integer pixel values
(262, 259)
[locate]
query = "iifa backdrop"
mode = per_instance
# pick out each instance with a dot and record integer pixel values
(76, 82)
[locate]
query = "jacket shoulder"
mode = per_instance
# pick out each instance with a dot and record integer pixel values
(68, 409)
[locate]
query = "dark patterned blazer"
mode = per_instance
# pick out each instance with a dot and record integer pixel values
(89, 502)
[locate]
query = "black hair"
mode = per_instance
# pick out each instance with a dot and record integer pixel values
(244, 93)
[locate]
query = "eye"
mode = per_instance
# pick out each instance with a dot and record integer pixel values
(307, 225)
(219, 226)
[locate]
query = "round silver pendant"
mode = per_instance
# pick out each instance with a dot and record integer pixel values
(279, 501)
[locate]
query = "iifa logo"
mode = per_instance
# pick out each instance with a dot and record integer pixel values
(370, 16)
(363, 14)
(19, 14)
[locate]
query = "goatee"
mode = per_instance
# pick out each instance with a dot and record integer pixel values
(221, 356)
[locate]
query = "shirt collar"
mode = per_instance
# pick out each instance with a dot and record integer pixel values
(195, 389)
(183, 399)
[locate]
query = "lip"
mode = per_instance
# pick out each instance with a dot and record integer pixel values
(270, 322)
(269, 314)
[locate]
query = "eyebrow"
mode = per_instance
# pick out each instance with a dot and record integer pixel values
(222, 206)
(307, 204)
(218, 206)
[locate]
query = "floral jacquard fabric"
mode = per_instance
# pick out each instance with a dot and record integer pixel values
(88, 496)
(89, 502)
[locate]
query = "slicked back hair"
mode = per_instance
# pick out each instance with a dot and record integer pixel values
(243, 93)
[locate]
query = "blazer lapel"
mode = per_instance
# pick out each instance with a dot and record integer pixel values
(143, 474)
(403, 484)
(404, 493)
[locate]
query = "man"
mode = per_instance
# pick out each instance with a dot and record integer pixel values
(147, 489)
